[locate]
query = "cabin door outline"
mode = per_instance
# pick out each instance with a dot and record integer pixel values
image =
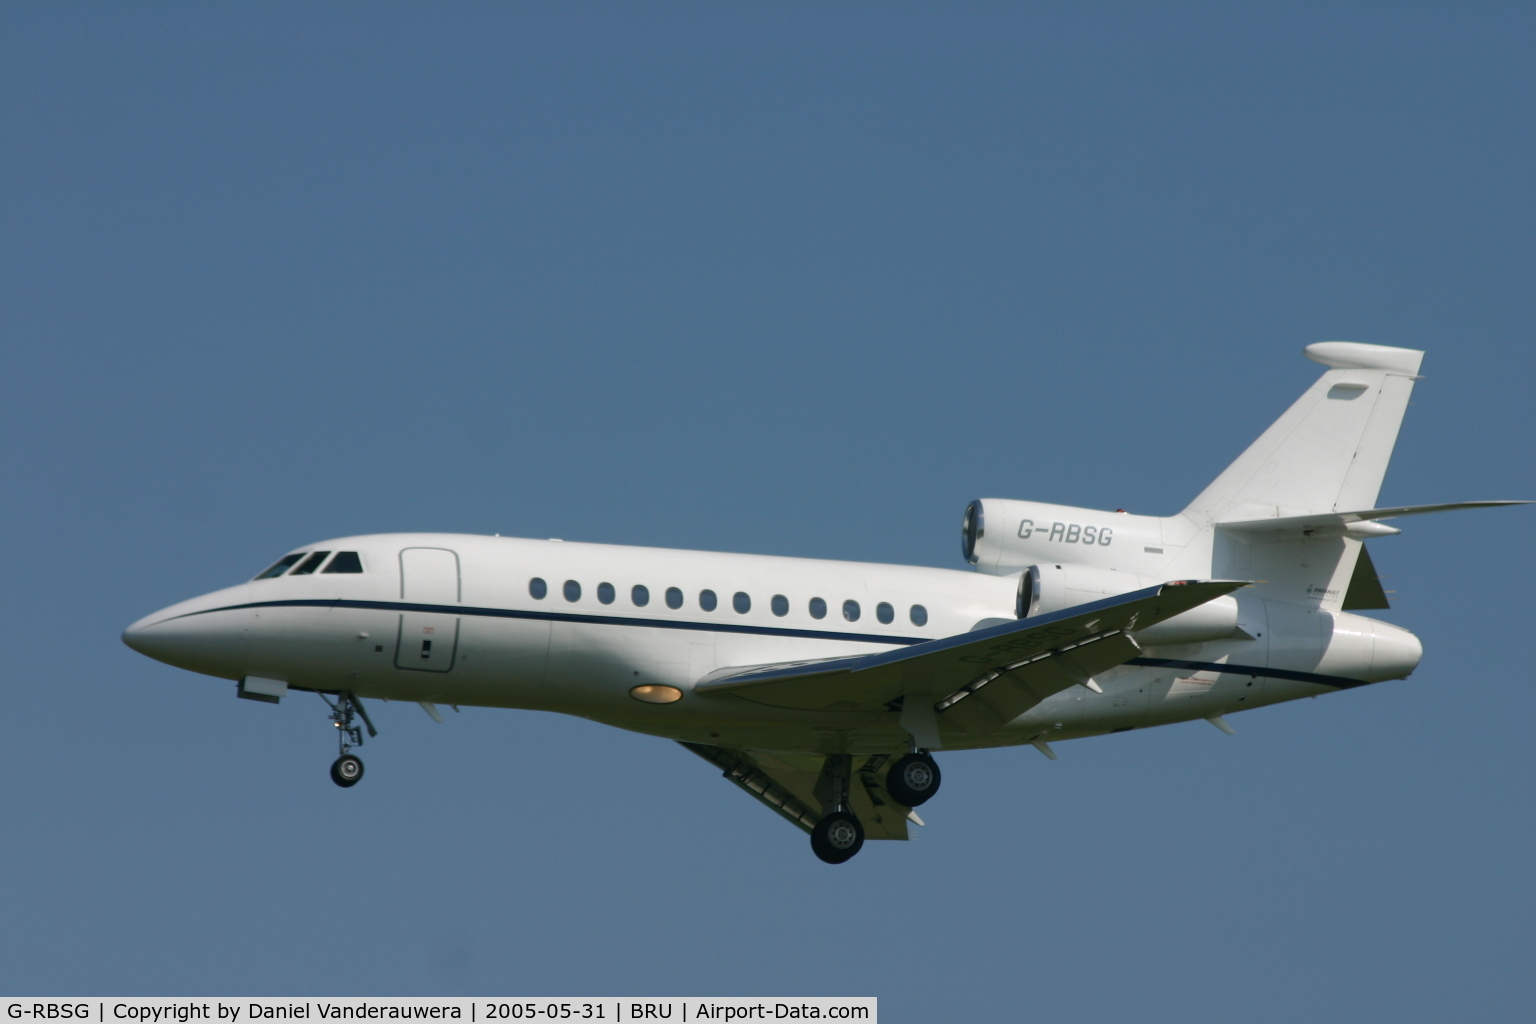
(428, 640)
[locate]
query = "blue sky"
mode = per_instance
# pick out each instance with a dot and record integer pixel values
(792, 278)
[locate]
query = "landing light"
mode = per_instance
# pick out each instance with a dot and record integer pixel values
(652, 693)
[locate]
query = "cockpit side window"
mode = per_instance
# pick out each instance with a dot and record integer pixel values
(310, 564)
(345, 561)
(280, 566)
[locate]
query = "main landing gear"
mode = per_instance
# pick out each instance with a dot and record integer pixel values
(913, 779)
(347, 770)
(838, 835)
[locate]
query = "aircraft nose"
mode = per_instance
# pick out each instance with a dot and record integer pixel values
(203, 635)
(142, 637)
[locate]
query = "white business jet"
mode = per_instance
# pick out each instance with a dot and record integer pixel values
(823, 688)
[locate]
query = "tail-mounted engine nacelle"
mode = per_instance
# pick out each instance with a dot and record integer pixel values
(1052, 588)
(1000, 536)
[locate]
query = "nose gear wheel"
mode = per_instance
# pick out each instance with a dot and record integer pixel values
(347, 771)
(346, 711)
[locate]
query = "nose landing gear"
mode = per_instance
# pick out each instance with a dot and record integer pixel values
(347, 770)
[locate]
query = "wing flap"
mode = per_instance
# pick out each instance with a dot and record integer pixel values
(786, 785)
(993, 701)
(778, 794)
(1055, 648)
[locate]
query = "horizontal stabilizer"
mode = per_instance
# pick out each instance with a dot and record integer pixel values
(1341, 520)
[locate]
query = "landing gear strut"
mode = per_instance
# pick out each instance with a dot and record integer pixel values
(347, 770)
(838, 835)
(913, 779)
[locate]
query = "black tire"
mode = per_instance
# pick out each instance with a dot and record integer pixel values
(347, 771)
(913, 780)
(837, 837)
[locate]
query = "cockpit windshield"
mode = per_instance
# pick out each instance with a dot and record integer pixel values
(345, 561)
(310, 564)
(310, 561)
(280, 566)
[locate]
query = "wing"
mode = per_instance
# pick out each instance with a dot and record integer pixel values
(786, 784)
(981, 680)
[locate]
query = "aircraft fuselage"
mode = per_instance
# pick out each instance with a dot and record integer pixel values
(489, 641)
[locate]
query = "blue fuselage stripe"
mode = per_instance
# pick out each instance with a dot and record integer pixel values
(1337, 682)
(596, 620)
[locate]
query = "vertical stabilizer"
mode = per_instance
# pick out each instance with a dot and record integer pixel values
(1329, 452)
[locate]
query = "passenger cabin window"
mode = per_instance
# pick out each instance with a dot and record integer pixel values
(674, 597)
(310, 564)
(280, 566)
(605, 593)
(707, 600)
(818, 608)
(572, 591)
(345, 561)
(780, 605)
(742, 603)
(919, 615)
(537, 588)
(885, 613)
(851, 611)
(640, 595)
